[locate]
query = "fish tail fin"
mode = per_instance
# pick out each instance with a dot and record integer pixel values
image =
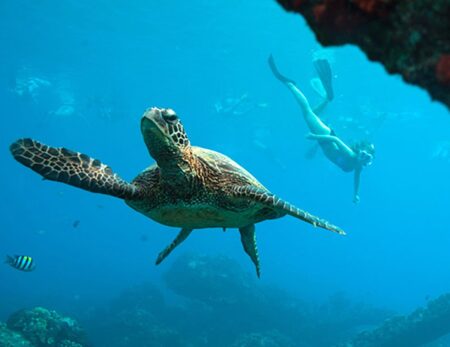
(9, 260)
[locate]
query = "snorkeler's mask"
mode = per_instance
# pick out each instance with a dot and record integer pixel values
(366, 152)
(365, 158)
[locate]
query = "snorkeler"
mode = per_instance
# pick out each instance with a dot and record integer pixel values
(348, 158)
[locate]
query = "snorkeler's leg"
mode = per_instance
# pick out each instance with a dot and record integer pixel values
(314, 123)
(276, 72)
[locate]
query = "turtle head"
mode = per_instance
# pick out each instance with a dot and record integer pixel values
(164, 135)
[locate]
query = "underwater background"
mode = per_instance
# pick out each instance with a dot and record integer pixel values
(80, 74)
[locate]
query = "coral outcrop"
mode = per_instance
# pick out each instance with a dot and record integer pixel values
(409, 37)
(270, 339)
(40, 327)
(138, 317)
(9, 338)
(237, 310)
(423, 326)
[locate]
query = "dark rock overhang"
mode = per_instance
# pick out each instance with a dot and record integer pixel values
(409, 37)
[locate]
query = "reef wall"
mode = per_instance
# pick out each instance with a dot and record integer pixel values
(409, 37)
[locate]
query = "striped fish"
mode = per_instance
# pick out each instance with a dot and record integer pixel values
(21, 262)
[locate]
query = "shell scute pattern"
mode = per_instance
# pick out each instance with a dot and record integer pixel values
(222, 172)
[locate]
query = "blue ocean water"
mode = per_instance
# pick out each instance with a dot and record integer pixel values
(81, 73)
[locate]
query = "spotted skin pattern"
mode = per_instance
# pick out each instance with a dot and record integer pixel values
(270, 199)
(189, 187)
(64, 165)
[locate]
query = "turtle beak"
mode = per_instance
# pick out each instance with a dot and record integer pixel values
(152, 113)
(152, 118)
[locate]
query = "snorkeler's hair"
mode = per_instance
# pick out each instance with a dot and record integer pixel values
(364, 145)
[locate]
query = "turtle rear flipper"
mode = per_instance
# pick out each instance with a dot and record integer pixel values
(76, 169)
(248, 239)
(264, 197)
(182, 235)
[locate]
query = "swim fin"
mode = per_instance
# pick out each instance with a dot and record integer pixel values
(324, 71)
(277, 73)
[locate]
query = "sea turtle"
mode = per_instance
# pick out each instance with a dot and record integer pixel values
(188, 187)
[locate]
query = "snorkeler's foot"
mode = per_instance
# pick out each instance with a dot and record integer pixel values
(277, 73)
(324, 71)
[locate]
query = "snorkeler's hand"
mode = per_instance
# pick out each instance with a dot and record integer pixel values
(356, 199)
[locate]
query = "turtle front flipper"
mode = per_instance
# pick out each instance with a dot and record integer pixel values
(76, 169)
(265, 197)
(248, 239)
(182, 235)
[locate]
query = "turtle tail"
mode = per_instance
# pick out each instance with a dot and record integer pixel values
(76, 169)
(269, 199)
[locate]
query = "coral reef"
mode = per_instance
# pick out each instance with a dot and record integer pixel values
(218, 304)
(40, 327)
(217, 288)
(9, 338)
(417, 329)
(213, 280)
(138, 317)
(408, 37)
(270, 339)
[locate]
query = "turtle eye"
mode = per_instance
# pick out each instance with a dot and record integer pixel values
(169, 117)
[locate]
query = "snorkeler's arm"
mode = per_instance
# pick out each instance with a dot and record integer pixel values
(356, 181)
(346, 149)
